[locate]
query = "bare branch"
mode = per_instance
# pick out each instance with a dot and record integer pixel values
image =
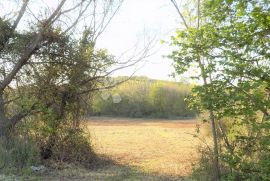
(15, 24)
(179, 12)
(198, 14)
(30, 49)
(103, 26)
(21, 12)
(78, 18)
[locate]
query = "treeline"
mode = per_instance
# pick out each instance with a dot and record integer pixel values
(143, 97)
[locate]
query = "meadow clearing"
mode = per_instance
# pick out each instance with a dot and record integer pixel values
(145, 149)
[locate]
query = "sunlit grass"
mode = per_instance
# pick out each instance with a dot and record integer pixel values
(134, 149)
(154, 146)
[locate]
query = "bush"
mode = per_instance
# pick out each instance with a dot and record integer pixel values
(243, 152)
(58, 140)
(203, 170)
(61, 143)
(18, 153)
(73, 146)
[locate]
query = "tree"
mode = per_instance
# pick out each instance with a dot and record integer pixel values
(50, 68)
(55, 59)
(190, 54)
(241, 46)
(233, 44)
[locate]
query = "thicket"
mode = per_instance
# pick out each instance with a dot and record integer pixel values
(143, 97)
(46, 74)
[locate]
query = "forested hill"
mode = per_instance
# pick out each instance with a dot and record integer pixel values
(143, 97)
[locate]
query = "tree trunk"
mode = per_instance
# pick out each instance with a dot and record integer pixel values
(214, 135)
(3, 118)
(213, 128)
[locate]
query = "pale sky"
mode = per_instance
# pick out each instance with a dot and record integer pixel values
(138, 19)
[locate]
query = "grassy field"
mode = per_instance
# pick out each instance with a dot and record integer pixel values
(135, 150)
(146, 148)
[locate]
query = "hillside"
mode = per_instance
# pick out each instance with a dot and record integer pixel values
(143, 97)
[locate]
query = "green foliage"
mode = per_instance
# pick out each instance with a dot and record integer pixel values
(169, 99)
(74, 146)
(46, 73)
(203, 170)
(231, 50)
(59, 140)
(47, 101)
(142, 97)
(5, 30)
(18, 153)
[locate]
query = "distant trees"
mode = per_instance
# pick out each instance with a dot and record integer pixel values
(142, 97)
(168, 98)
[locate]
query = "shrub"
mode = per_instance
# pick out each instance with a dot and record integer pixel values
(243, 152)
(203, 170)
(61, 143)
(73, 146)
(18, 153)
(59, 140)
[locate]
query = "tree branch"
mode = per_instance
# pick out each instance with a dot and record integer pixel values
(30, 49)
(179, 12)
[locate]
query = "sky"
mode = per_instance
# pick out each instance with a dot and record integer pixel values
(136, 23)
(140, 21)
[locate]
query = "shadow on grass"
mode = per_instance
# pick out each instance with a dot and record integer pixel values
(103, 169)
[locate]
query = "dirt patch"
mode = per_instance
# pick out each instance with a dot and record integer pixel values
(95, 121)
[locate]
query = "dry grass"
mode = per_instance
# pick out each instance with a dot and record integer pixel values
(159, 147)
(138, 150)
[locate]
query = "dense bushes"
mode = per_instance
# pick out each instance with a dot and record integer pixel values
(143, 97)
(18, 153)
(35, 141)
(57, 133)
(243, 151)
